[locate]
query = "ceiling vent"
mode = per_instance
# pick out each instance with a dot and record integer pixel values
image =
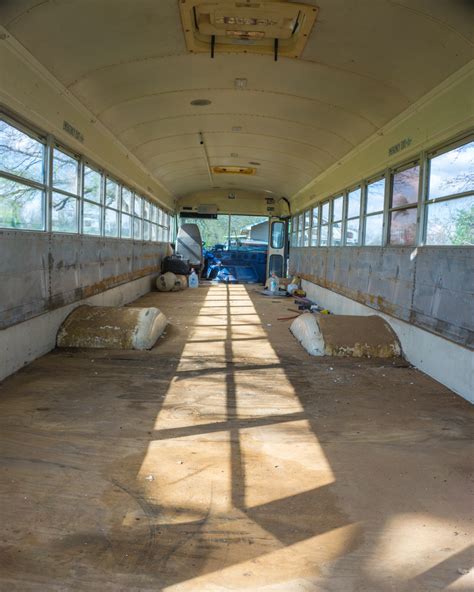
(233, 170)
(275, 27)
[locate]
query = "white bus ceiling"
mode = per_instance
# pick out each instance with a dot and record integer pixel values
(127, 62)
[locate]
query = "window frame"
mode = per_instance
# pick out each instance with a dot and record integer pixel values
(106, 208)
(52, 189)
(389, 208)
(84, 200)
(359, 217)
(47, 189)
(313, 227)
(340, 221)
(307, 217)
(427, 156)
(44, 187)
(364, 215)
(327, 224)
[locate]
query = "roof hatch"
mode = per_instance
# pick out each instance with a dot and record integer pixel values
(275, 27)
(233, 170)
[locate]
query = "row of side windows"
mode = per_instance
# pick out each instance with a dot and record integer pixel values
(45, 187)
(429, 201)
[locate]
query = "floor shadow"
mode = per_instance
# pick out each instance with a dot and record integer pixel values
(101, 489)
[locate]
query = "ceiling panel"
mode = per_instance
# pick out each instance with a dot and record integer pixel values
(364, 63)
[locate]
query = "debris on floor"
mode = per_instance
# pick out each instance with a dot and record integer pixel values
(112, 327)
(346, 336)
(171, 282)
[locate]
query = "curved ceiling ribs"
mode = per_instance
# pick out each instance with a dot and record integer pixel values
(127, 62)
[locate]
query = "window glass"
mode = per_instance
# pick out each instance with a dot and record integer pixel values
(137, 206)
(405, 187)
(307, 219)
(127, 196)
(403, 226)
(111, 223)
(126, 226)
(91, 214)
(451, 222)
(294, 231)
(146, 209)
(146, 230)
(337, 208)
(324, 236)
(65, 171)
(373, 230)
(21, 206)
(64, 213)
(306, 235)
(112, 193)
(336, 234)
(352, 232)
(20, 154)
(325, 213)
(452, 172)
(300, 230)
(278, 235)
(375, 196)
(353, 203)
(314, 228)
(92, 183)
(137, 228)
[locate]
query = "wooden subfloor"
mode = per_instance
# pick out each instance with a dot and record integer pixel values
(228, 459)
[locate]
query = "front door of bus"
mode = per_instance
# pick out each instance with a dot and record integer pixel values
(277, 247)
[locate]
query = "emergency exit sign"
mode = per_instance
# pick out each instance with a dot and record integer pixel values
(72, 131)
(400, 146)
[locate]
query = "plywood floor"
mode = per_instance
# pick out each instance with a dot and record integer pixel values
(228, 459)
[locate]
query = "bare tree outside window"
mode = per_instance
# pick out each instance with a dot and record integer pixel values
(21, 205)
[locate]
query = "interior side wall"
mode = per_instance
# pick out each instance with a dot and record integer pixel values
(440, 358)
(24, 342)
(430, 287)
(424, 291)
(46, 271)
(47, 275)
(44, 275)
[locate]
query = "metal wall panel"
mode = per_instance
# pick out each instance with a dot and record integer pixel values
(430, 287)
(41, 272)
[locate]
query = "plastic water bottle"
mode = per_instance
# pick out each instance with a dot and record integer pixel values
(273, 283)
(193, 279)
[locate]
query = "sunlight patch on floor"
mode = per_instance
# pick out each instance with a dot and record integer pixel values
(293, 568)
(229, 441)
(411, 544)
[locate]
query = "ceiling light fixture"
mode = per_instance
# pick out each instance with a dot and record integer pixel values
(200, 102)
(236, 128)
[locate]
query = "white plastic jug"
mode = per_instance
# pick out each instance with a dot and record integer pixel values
(274, 283)
(193, 281)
